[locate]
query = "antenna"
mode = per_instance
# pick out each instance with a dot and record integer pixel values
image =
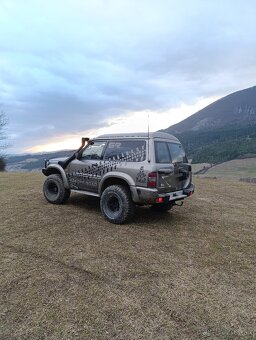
(148, 139)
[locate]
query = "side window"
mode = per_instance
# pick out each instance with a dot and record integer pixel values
(128, 151)
(177, 153)
(162, 152)
(93, 151)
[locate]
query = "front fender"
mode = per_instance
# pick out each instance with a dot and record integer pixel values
(56, 169)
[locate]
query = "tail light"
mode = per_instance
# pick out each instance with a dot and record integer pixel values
(159, 200)
(152, 179)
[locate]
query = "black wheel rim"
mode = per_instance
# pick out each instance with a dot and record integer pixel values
(113, 204)
(53, 188)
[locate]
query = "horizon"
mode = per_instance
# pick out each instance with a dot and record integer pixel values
(199, 106)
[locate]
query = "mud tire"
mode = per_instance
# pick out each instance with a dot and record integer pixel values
(116, 204)
(54, 190)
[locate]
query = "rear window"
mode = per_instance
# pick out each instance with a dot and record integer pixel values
(167, 152)
(129, 151)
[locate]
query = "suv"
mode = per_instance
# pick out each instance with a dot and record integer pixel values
(123, 170)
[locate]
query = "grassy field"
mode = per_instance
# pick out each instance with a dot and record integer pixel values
(199, 166)
(66, 273)
(235, 169)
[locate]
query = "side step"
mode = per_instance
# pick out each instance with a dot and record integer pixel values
(88, 193)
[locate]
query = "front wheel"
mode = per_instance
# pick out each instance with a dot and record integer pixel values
(54, 190)
(116, 204)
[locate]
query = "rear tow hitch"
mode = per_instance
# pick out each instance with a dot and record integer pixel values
(180, 204)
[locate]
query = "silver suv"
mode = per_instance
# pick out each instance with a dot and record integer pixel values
(123, 170)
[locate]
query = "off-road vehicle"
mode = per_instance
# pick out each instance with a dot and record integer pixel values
(123, 170)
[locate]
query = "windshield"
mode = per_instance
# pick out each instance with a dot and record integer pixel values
(93, 151)
(167, 152)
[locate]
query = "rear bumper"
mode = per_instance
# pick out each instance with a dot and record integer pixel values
(150, 196)
(190, 190)
(181, 194)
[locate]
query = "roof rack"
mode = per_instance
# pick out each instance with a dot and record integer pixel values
(163, 135)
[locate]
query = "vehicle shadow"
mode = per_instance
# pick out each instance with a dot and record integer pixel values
(83, 202)
(146, 215)
(143, 214)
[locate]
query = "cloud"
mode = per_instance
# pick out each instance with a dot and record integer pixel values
(67, 67)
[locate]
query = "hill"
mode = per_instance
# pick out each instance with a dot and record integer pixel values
(236, 169)
(224, 130)
(236, 109)
(34, 161)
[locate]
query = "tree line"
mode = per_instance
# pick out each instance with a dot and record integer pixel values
(219, 145)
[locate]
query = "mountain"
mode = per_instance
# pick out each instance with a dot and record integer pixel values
(224, 130)
(236, 109)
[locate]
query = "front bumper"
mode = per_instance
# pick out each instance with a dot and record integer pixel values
(151, 196)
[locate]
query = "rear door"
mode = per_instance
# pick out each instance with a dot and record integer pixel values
(173, 169)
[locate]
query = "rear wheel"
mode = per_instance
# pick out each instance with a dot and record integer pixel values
(54, 190)
(116, 204)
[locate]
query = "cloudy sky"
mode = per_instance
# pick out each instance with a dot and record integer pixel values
(72, 68)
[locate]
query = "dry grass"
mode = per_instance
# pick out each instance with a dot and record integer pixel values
(66, 273)
(200, 166)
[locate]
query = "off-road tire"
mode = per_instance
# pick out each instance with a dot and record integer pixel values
(116, 204)
(162, 207)
(54, 190)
